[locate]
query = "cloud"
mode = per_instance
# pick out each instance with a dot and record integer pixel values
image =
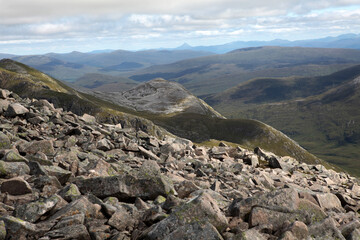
(124, 24)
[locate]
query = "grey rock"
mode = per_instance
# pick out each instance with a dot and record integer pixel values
(61, 174)
(70, 192)
(16, 186)
(325, 230)
(13, 169)
(17, 228)
(78, 232)
(32, 211)
(15, 109)
(328, 201)
(200, 210)
(4, 141)
(2, 230)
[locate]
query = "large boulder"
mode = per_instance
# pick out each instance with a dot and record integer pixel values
(196, 213)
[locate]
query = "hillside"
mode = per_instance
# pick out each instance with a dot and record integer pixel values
(28, 82)
(105, 83)
(212, 74)
(321, 113)
(64, 176)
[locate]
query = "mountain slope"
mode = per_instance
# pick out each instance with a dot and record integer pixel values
(217, 73)
(28, 82)
(321, 113)
(159, 96)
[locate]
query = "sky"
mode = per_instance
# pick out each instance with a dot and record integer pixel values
(42, 26)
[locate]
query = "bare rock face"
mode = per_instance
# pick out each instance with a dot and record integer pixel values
(161, 97)
(68, 177)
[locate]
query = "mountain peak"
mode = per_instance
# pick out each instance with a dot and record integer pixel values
(184, 46)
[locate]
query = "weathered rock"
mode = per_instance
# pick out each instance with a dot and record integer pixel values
(104, 145)
(2, 230)
(16, 186)
(185, 188)
(70, 192)
(14, 156)
(328, 201)
(17, 228)
(44, 146)
(122, 220)
(4, 141)
(15, 109)
(252, 234)
(61, 174)
(325, 230)
(126, 187)
(200, 210)
(32, 212)
(70, 232)
(77, 219)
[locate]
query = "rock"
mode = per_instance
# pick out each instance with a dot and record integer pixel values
(2, 230)
(126, 186)
(13, 169)
(15, 109)
(14, 156)
(4, 141)
(44, 146)
(77, 219)
(252, 234)
(61, 174)
(17, 228)
(299, 230)
(148, 154)
(355, 235)
(81, 205)
(328, 201)
(252, 160)
(325, 230)
(283, 200)
(32, 212)
(185, 188)
(200, 210)
(16, 186)
(78, 232)
(350, 227)
(88, 119)
(195, 231)
(122, 220)
(103, 145)
(70, 192)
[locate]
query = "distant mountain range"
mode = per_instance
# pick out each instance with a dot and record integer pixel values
(342, 41)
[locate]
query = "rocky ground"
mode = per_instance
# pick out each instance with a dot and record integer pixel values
(64, 176)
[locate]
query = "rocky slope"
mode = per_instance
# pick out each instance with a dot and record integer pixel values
(160, 97)
(64, 176)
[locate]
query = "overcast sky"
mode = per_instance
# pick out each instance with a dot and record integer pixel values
(40, 26)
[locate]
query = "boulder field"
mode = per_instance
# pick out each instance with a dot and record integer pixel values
(64, 176)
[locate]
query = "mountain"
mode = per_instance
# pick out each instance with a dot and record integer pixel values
(321, 113)
(212, 74)
(64, 70)
(342, 41)
(71, 66)
(159, 96)
(28, 82)
(104, 83)
(67, 176)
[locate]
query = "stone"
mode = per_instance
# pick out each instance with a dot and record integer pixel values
(126, 186)
(195, 231)
(252, 160)
(250, 234)
(148, 154)
(81, 205)
(13, 156)
(78, 232)
(61, 174)
(88, 119)
(104, 145)
(4, 141)
(200, 210)
(13, 169)
(325, 230)
(328, 201)
(16, 186)
(355, 235)
(17, 228)
(122, 220)
(32, 211)
(299, 230)
(77, 219)
(70, 192)
(185, 188)
(2, 230)
(44, 146)
(16, 109)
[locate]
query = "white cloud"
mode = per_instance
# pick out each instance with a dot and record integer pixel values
(114, 22)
